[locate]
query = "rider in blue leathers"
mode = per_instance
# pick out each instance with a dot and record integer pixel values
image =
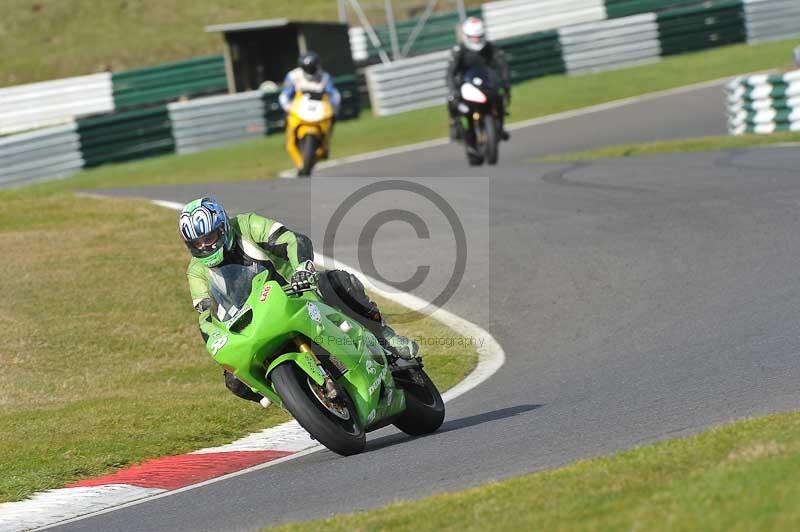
(309, 77)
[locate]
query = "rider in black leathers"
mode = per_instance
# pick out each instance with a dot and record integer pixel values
(475, 52)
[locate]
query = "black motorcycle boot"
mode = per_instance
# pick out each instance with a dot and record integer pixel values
(402, 346)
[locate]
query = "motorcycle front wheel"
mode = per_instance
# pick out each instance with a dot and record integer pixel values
(308, 148)
(424, 411)
(332, 422)
(474, 155)
(491, 139)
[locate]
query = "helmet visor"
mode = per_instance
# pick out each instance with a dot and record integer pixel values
(206, 245)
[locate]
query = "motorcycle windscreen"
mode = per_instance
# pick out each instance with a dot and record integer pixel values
(230, 286)
(310, 109)
(473, 94)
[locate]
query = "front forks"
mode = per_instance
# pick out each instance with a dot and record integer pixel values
(329, 387)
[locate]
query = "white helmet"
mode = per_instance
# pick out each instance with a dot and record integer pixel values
(473, 34)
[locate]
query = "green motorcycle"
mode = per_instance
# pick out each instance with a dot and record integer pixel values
(325, 368)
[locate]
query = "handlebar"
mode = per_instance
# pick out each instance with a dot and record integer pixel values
(289, 291)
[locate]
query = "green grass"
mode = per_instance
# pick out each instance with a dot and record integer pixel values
(265, 157)
(103, 365)
(742, 476)
(49, 39)
(674, 146)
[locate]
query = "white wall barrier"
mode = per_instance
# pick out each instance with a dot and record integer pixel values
(408, 84)
(509, 18)
(609, 44)
(40, 155)
(768, 20)
(36, 105)
(764, 103)
(205, 123)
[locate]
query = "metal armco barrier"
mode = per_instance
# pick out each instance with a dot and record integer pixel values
(438, 32)
(217, 121)
(125, 136)
(769, 20)
(625, 8)
(169, 81)
(41, 155)
(533, 56)
(764, 103)
(610, 43)
(697, 27)
(420, 82)
(408, 84)
(36, 105)
(510, 18)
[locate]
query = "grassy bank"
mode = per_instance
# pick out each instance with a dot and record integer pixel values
(675, 146)
(743, 476)
(49, 39)
(266, 157)
(103, 365)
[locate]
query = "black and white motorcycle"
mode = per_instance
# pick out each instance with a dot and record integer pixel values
(480, 108)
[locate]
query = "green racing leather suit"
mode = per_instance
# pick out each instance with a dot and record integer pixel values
(255, 238)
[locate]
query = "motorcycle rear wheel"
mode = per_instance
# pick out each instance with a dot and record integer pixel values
(335, 426)
(474, 160)
(424, 411)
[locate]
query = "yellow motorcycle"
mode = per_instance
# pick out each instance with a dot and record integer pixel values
(308, 129)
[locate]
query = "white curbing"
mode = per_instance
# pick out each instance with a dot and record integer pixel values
(289, 436)
(49, 507)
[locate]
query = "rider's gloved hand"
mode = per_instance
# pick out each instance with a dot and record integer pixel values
(303, 276)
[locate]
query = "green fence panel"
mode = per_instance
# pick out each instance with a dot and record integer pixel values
(125, 136)
(701, 26)
(624, 8)
(348, 86)
(169, 82)
(273, 114)
(535, 55)
(439, 33)
(708, 7)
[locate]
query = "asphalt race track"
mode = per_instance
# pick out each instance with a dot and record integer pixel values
(636, 300)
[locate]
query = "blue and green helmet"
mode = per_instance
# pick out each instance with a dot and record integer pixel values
(206, 231)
